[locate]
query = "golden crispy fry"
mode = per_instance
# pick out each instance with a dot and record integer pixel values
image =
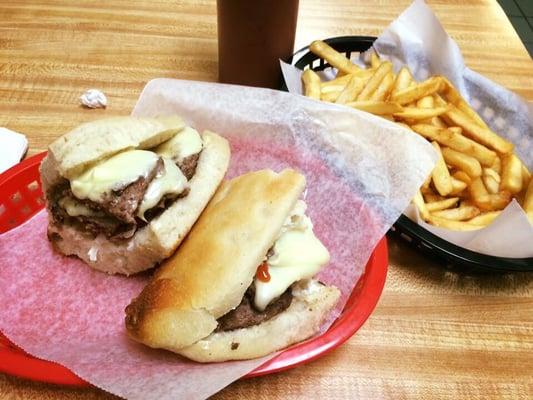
(485, 218)
(423, 89)
(497, 165)
(384, 88)
(341, 82)
(482, 135)
(442, 204)
(403, 80)
(311, 82)
(462, 162)
(438, 122)
(493, 174)
(375, 80)
(486, 201)
(441, 175)
(375, 107)
(528, 199)
(457, 186)
(350, 92)
(477, 190)
(491, 184)
(526, 175)
(375, 62)
(511, 174)
(418, 201)
(420, 113)
(455, 98)
(426, 102)
(330, 96)
(453, 225)
(457, 130)
(333, 57)
(333, 88)
(449, 137)
(427, 182)
(461, 213)
(462, 176)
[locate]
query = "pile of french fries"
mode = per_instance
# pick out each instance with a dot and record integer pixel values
(477, 173)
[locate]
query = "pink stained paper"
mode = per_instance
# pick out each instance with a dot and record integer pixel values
(360, 176)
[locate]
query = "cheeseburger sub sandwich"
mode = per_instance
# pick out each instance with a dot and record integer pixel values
(122, 193)
(240, 286)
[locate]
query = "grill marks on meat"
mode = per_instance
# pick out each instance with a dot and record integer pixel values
(188, 165)
(245, 315)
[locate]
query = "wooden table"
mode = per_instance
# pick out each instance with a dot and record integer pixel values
(434, 334)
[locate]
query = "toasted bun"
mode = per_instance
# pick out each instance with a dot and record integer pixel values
(210, 272)
(310, 305)
(163, 234)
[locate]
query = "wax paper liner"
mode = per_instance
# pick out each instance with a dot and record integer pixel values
(361, 172)
(417, 39)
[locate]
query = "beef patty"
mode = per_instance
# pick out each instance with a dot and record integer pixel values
(188, 165)
(245, 315)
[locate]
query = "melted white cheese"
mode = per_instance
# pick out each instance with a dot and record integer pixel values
(113, 173)
(186, 143)
(170, 181)
(298, 254)
(75, 208)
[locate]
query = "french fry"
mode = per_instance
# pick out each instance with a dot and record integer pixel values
(350, 92)
(340, 82)
(485, 218)
(462, 162)
(477, 190)
(375, 107)
(420, 113)
(426, 102)
(457, 186)
(423, 89)
(384, 88)
(439, 123)
(418, 201)
(526, 175)
(461, 213)
(528, 199)
(490, 172)
(453, 225)
(497, 165)
(374, 60)
(442, 204)
(511, 174)
(403, 80)
(462, 176)
(333, 57)
(374, 81)
(330, 97)
(449, 137)
(427, 182)
(455, 98)
(491, 184)
(441, 175)
(311, 82)
(482, 135)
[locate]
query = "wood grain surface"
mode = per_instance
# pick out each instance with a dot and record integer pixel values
(434, 334)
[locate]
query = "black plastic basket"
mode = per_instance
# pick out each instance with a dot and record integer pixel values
(451, 256)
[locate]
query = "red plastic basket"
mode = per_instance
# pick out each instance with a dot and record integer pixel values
(21, 197)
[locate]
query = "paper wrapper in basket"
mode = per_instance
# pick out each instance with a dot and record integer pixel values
(417, 39)
(361, 172)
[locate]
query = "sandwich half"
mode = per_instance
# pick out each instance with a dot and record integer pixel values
(241, 285)
(122, 193)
